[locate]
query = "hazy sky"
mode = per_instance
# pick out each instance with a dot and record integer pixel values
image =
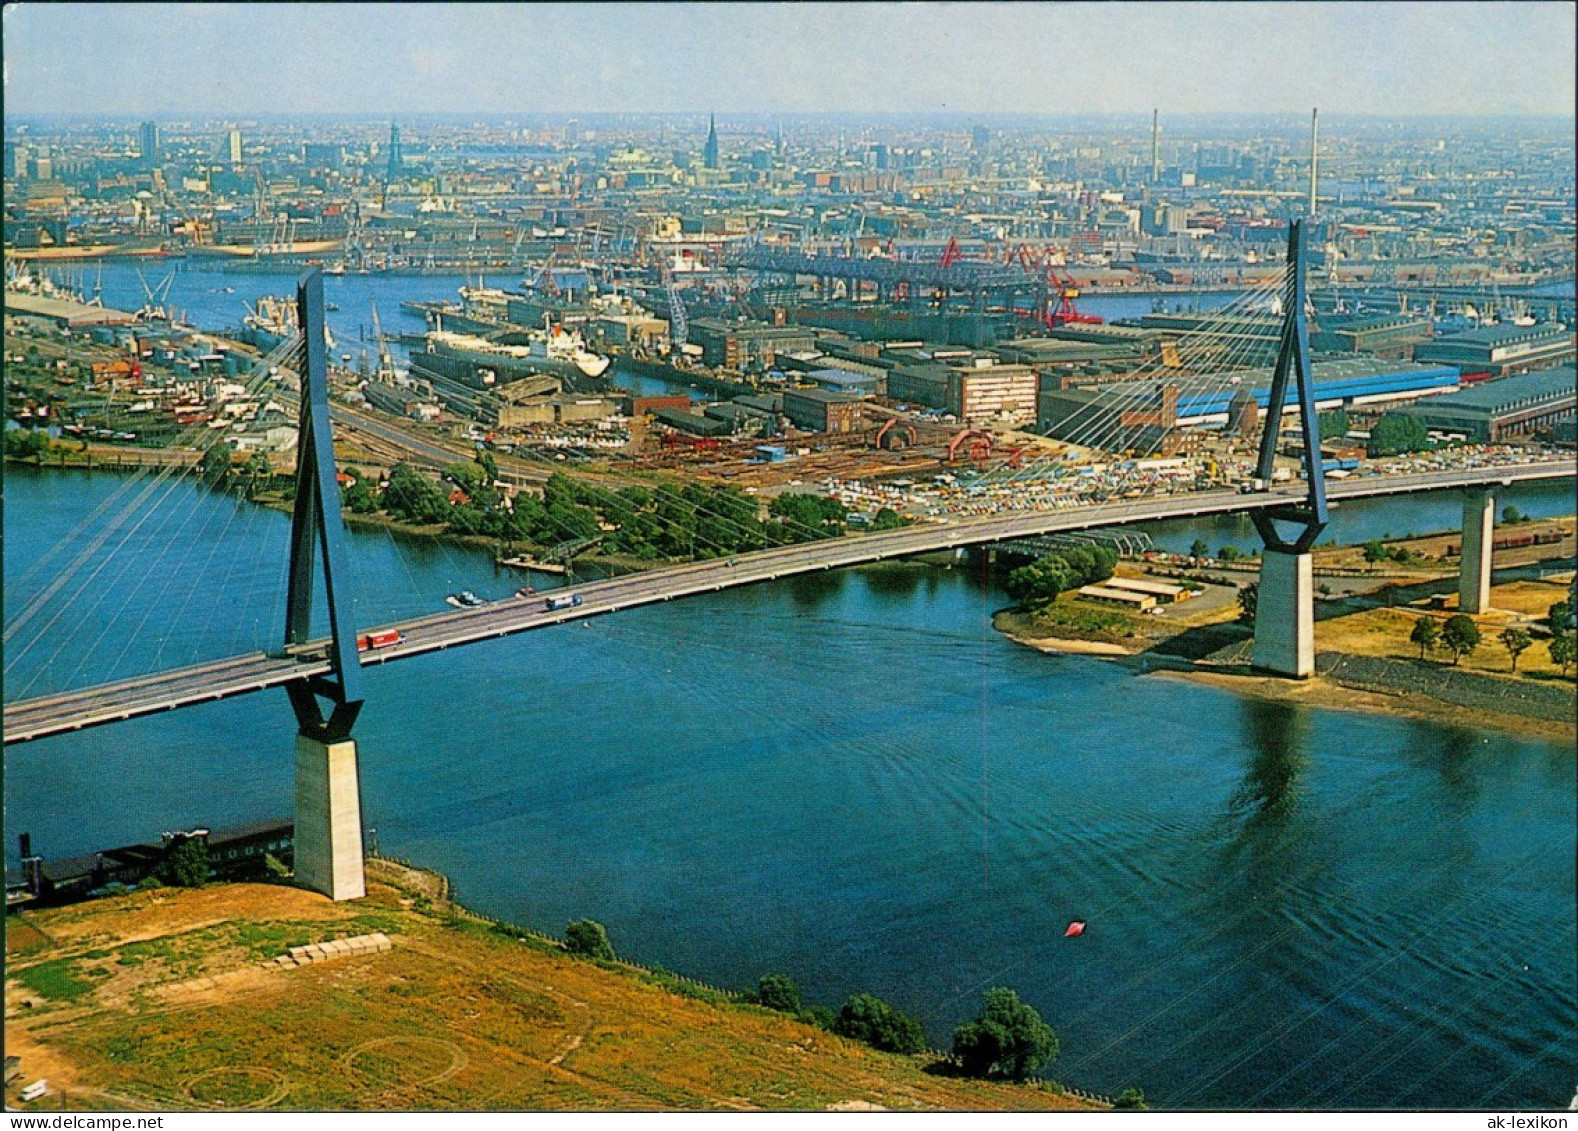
(1411, 57)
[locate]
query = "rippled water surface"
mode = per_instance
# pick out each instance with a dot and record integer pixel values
(850, 778)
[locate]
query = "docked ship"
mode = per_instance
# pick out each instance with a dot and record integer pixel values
(270, 322)
(554, 350)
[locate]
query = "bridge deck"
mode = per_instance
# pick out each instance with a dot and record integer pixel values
(237, 675)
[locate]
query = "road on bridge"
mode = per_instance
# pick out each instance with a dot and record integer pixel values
(237, 675)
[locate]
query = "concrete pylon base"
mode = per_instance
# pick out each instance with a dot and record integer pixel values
(1479, 529)
(328, 840)
(1285, 615)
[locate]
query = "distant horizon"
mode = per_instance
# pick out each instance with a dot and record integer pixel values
(1381, 58)
(770, 116)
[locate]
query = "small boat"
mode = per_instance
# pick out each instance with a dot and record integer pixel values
(454, 600)
(331, 307)
(1077, 927)
(526, 591)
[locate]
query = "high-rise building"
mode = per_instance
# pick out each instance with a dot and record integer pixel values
(18, 162)
(233, 146)
(709, 152)
(980, 138)
(148, 143)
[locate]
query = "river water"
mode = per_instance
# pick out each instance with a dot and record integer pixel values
(852, 779)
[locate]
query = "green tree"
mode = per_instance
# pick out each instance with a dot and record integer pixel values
(1396, 433)
(1461, 635)
(1516, 641)
(866, 1017)
(1425, 634)
(1334, 425)
(1561, 617)
(1248, 602)
(186, 864)
(1511, 516)
(778, 991)
(257, 469)
(1562, 651)
(887, 518)
(414, 497)
(1007, 1039)
(1376, 551)
(588, 938)
(1198, 549)
(216, 465)
(361, 497)
(1229, 553)
(26, 443)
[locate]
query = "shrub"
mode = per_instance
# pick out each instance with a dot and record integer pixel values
(1130, 1099)
(867, 1018)
(778, 991)
(588, 938)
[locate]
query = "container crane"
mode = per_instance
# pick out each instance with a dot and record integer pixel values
(1067, 314)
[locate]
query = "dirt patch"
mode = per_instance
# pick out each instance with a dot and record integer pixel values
(135, 918)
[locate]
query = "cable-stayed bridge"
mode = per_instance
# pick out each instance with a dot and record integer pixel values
(237, 675)
(322, 674)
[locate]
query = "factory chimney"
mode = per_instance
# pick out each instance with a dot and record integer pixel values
(1314, 155)
(1156, 147)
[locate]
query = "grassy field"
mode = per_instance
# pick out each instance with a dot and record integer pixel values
(1384, 631)
(169, 1000)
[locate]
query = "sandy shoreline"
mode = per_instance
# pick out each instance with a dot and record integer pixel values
(1314, 692)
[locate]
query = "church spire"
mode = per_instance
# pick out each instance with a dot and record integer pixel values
(709, 153)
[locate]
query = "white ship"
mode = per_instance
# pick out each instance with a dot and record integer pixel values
(554, 350)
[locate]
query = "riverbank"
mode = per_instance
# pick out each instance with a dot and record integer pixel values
(1327, 691)
(190, 1000)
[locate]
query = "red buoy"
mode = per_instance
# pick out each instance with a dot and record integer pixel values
(1077, 927)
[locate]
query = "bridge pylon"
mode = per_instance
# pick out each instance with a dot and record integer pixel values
(1285, 609)
(328, 835)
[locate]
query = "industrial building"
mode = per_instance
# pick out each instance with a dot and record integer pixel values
(1118, 411)
(1500, 410)
(1382, 335)
(818, 410)
(233, 853)
(971, 388)
(735, 344)
(1502, 351)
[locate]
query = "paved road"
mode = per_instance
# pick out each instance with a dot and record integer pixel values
(237, 675)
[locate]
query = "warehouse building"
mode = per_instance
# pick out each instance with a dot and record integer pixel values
(1383, 335)
(1525, 405)
(818, 410)
(972, 389)
(1114, 410)
(735, 345)
(1502, 351)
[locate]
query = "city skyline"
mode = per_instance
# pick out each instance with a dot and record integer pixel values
(988, 59)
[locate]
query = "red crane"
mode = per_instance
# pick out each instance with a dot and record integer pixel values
(980, 445)
(950, 254)
(1067, 314)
